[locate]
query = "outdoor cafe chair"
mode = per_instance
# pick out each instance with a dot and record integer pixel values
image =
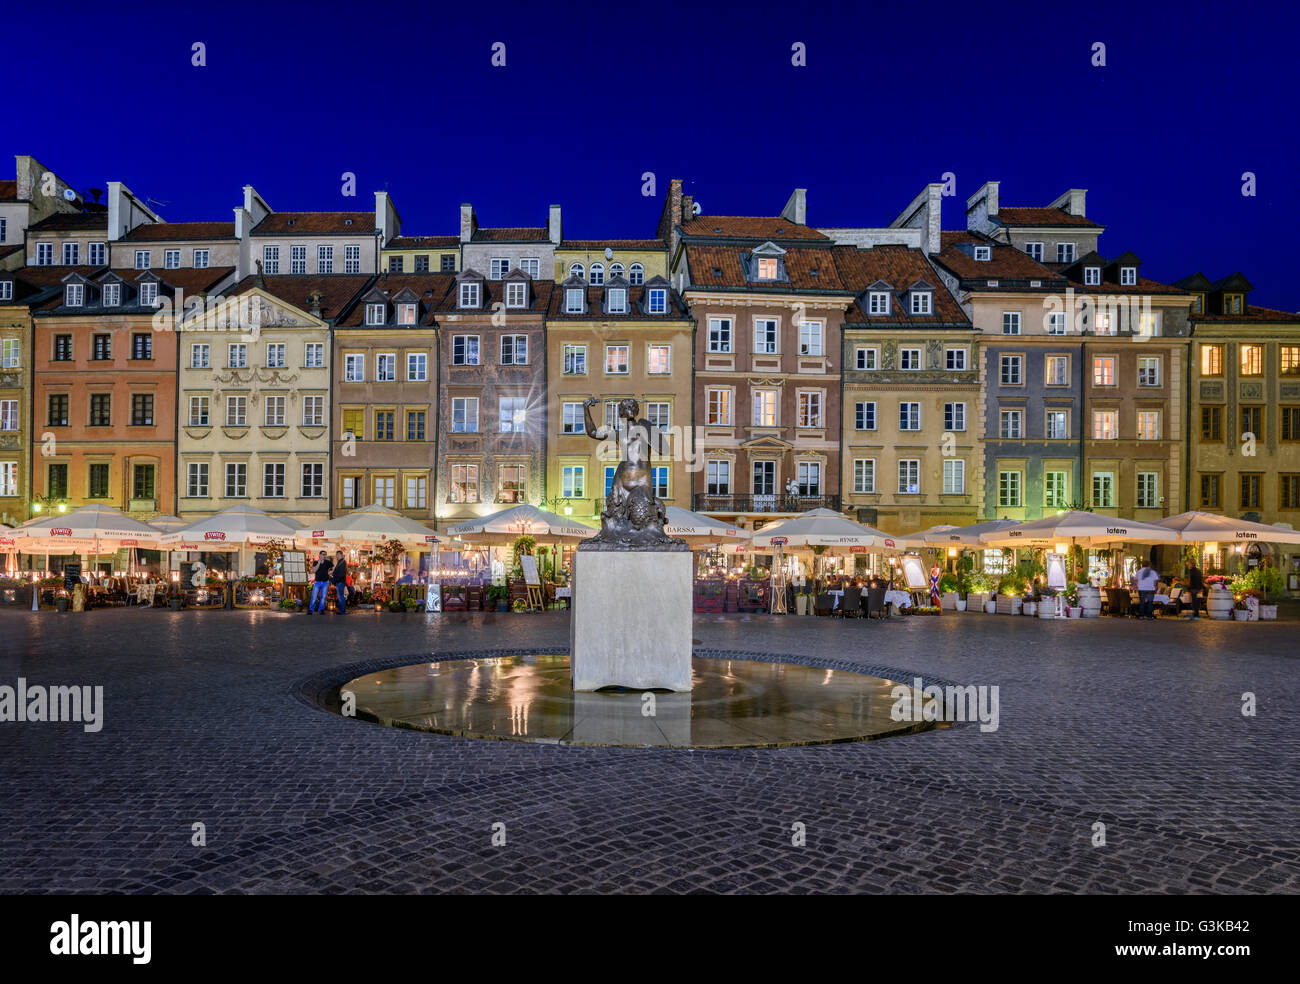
(876, 601)
(825, 603)
(851, 603)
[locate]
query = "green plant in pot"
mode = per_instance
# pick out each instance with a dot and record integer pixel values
(520, 606)
(497, 597)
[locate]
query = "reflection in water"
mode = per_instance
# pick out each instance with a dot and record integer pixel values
(735, 703)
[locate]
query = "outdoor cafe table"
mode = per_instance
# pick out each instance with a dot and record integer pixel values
(899, 599)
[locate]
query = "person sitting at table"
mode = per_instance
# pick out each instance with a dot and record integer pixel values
(408, 576)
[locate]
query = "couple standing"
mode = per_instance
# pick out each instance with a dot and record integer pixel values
(329, 573)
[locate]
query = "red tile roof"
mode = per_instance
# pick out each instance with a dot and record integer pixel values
(525, 234)
(748, 227)
(494, 290)
(612, 244)
(152, 232)
(900, 267)
(1253, 315)
(72, 222)
(337, 290)
(431, 288)
(676, 310)
(423, 242)
(807, 269)
(1024, 216)
(316, 224)
(8, 191)
(1005, 263)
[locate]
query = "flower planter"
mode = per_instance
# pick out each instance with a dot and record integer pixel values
(991, 607)
(1089, 601)
(977, 600)
(1075, 611)
(1047, 609)
(948, 601)
(1029, 608)
(1009, 604)
(961, 604)
(1219, 604)
(1241, 614)
(61, 604)
(1268, 613)
(801, 604)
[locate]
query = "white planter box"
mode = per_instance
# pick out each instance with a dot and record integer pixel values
(991, 607)
(1076, 611)
(1268, 613)
(1241, 615)
(961, 606)
(948, 601)
(1007, 605)
(1030, 608)
(977, 600)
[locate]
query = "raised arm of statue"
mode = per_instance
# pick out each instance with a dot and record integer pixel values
(597, 433)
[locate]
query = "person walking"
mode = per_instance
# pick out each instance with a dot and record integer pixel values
(1195, 586)
(320, 585)
(339, 578)
(1147, 581)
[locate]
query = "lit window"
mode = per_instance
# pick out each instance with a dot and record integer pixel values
(1103, 370)
(1009, 483)
(1252, 360)
(616, 361)
(1103, 490)
(575, 360)
(767, 268)
(1105, 425)
(464, 483)
(375, 314)
(659, 360)
(1148, 425)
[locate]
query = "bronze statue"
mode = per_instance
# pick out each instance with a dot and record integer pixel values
(634, 517)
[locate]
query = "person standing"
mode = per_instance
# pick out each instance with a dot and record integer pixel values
(1195, 586)
(1147, 581)
(320, 585)
(339, 578)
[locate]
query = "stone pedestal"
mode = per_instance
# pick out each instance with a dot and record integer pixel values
(631, 622)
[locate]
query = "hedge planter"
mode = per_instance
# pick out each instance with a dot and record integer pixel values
(948, 601)
(1029, 608)
(976, 600)
(1268, 613)
(1009, 604)
(991, 607)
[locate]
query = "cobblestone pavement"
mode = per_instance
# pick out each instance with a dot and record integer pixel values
(1136, 725)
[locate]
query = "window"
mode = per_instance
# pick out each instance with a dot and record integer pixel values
(864, 476)
(101, 347)
(810, 410)
(202, 258)
(1290, 422)
(275, 355)
(767, 268)
(656, 301)
(615, 270)
(1103, 370)
(383, 425)
(717, 477)
(415, 425)
(1148, 490)
(354, 367)
(719, 334)
(1288, 492)
(1103, 490)
(658, 413)
(1054, 489)
(1104, 325)
(112, 295)
(236, 479)
(718, 403)
(597, 277)
(955, 359)
(142, 486)
(1057, 370)
(270, 259)
(575, 360)
(1011, 366)
(1035, 251)
(448, 263)
(8, 469)
(1252, 360)
(1211, 489)
(909, 476)
(1250, 491)
(1148, 371)
(351, 259)
(196, 479)
(464, 483)
(98, 253)
(57, 481)
(1011, 424)
(144, 259)
(954, 416)
(8, 415)
(297, 260)
(1148, 325)
(141, 409)
(313, 355)
(469, 295)
(375, 314)
(199, 355)
(636, 275)
(1232, 304)
(498, 267)
(9, 353)
(148, 294)
(1056, 323)
(954, 476)
(101, 409)
(1211, 360)
(273, 411)
(1011, 322)
(1128, 276)
(909, 416)
(659, 477)
(765, 408)
(422, 263)
(572, 482)
(764, 478)
(1056, 425)
(1211, 423)
(765, 336)
(616, 359)
(236, 411)
(273, 480)
(417, 492)
(464, 350)
(313, 480)
(313, 411)
(324, 259)
(983, 253)
(1252, 422)
(406, 314)
(44, 254)
(386, 367)
(516, 295)
(1148, 425)
(909, 358)
(1105, 425)
(878, 302)
(171, 259)
(574, 300)
(1065, 252)
(349, 492)
(383, 492)
(1092, 276)
(74, 295)
(98, 484)
(237, 356)
(659, 360)
(1289, 363)
(1009, 489)
(396, 264)
(198, 411)
(867, 358)
(531, 265)
(864, 416)
(6, 290)
(354, 423)
(417, 367)
(464, 415)
(923, 301)
(572, 419)
(514, 350)
(511, 414)
(809, 478)
(58, 410)
(810, 338)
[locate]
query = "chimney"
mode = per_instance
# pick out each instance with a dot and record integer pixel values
(468, 222)
(796, 208)
(553, 225)
(1074, 201)
(924, 212)
(982, 208)
(387, 221)
(125, 211)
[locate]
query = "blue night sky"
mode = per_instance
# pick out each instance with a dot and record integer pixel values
(404, 95)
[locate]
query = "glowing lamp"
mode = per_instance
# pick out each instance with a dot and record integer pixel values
(37, 507)
(952, 551)
(1062, 548)
(63, 507)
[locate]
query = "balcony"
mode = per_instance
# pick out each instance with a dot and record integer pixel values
(783, 503)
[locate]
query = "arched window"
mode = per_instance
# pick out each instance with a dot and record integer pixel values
(597, 274)
(638, 274)
(615, 270)
(577, 270)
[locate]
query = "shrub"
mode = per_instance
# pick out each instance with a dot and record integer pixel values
(949, 583)
(980, 583)
(1013, 583)
(1262, 581)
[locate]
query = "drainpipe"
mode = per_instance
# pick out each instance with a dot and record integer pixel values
(1187, 420)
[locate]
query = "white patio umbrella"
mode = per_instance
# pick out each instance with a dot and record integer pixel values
(919, 540)
(94, 528)
(167, 523)
(827, 528)
(369, 525)
(229, 529)
(1202, 527)
(517, 521)
(1078, 529)
(964, 536)
(699, 530)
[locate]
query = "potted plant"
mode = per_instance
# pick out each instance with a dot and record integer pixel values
(1239, 610)
(411, 604)
(949, 584)
(520, 606)
(1011, 590)
(395, 606)
(978, 587)
(498, 598)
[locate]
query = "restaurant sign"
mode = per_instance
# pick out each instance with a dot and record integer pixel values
(857, 549)
(780, 540)
(889, 542)
(129, 543)
(214, 535)
(431, 539)
(60, 531)
(317, 534)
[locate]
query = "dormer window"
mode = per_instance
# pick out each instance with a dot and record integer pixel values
(148, 294)
(577, 270)
(767, 268)
(922, 302)
(406, 314)
(615, 270)
(1128, 276)
(983, 253)
(1198, 304)
(597, 274)
(470, 295)
(1232, 304)
(616, 300)
(112, 295)
(74, 295)
(657, 300)
(878, 302)
(375, 314)
(573, 300)
(516, 295)
(1092, 276)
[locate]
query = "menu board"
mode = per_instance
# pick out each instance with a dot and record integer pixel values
(914, 574)
(529, 564)
(293, 565)
(71, 576)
